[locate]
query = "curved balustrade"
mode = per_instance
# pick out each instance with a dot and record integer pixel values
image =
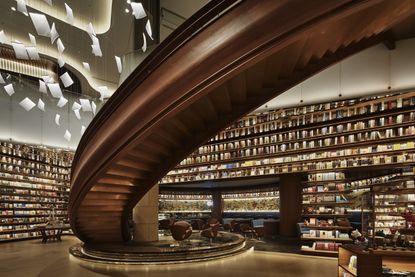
(225, 61)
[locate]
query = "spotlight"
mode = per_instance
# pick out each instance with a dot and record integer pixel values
(127, 10)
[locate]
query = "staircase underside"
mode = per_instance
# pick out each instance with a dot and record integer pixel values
(207, 74)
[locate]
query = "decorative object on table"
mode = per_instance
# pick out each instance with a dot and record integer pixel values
(358, 238)
(181, 230)
(409, 217)
(210, 230)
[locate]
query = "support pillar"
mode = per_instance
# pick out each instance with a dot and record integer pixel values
(290, 204)
(145, 217)
(217, 207)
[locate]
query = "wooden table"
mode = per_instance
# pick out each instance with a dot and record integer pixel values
(52, 233)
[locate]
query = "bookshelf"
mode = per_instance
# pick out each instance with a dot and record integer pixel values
(331, 144)
(184, 205)
(251, 202)
(325, 205)
(34, 189)
(383, 197)
(368, 132)
(391, 200)
(187, 204)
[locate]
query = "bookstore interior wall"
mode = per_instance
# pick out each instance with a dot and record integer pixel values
(368, 72)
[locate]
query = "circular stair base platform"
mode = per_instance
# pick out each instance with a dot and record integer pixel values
(165, 251)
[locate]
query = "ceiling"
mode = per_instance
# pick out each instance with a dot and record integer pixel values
(373, 71)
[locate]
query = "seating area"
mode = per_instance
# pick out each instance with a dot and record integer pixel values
(208, 227)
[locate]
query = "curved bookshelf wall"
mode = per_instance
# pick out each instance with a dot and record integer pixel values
(330, 145)
(365, 133)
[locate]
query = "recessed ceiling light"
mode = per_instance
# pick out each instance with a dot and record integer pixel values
(13, 9)
(128, 1)
(127, 10)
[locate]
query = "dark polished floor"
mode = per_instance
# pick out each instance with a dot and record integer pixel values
(279, 244)
(31, 258)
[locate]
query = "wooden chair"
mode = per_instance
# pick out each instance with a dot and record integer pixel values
(248, 230)
(181, 230)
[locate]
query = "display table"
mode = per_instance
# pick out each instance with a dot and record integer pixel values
(370, 262)
(52, 233)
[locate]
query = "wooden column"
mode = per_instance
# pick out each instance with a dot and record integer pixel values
(217, 207)
(145, 217)
(290, 204)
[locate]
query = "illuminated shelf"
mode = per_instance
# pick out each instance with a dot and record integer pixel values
(33, 182)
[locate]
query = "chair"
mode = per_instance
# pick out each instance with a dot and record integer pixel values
(212, 221)
(198, 224)
(181, 230)
(247, 230)
(210, 231)
(234, 226)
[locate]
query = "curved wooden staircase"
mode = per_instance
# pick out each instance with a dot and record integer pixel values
(225, 61)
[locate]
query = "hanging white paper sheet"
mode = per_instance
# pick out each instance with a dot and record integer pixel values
(57, 119)
(69, 14)
(42, 87)
(27, 104)
(41, 105)
(60, 45)
(9, 89)
(62, 102)
(20, 51)
(66, 80)
(55, 90)
(138, 10)
(86, 66)
(67, 135)
(41, 24)
(86, 105)
(119, 64)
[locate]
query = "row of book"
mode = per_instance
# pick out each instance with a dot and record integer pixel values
(282, 142)
(284, 118)
(33, 165)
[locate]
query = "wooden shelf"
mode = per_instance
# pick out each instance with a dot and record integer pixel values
(30, 215)
(328, 227)
(319, 252)
(40, 189)
(293, 140)
(327, 239)
(32, 160)
(35, 175)
(326, 215)
(58, 187)
(327, 204)
(352, 271)
(353, 118)
(29, 181)
(22, 223)
(403, 202)
(292, 163)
